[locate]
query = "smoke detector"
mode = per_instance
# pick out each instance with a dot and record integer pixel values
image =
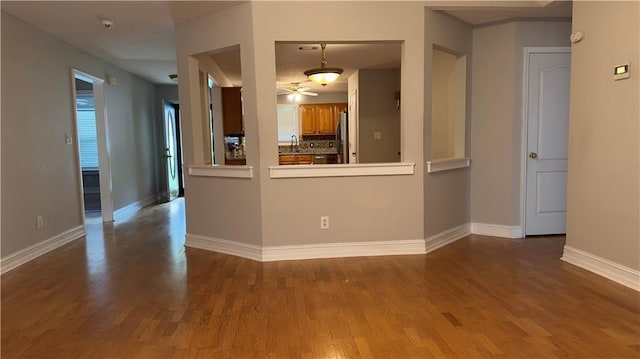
(108, 24)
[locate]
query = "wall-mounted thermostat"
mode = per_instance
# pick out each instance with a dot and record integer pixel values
(621, 72)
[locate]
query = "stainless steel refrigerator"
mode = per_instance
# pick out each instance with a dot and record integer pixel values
(342, 138)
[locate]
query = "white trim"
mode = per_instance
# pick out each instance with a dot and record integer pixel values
(133, 208)
(328, 250)
(23, 256)
(220, 171)
(238, 249)
(523, 139)
(341, 250)
(448, 164)
(342, 170)
(602, 267)
(306, 251)
(496, 230)
(445, 237)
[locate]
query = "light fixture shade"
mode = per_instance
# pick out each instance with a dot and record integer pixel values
(323, 76)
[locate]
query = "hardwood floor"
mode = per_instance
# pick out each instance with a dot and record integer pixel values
(132, 290)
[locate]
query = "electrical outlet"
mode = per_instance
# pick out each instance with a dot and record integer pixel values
(39, 222)
(324, 222)
(68, 139)
(377, 135)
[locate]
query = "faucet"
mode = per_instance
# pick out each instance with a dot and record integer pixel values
(294, 142)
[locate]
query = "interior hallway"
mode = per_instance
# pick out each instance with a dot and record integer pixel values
(132, 290)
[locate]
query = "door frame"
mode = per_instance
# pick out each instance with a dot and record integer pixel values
(102, 133)
(353, 119)
(525, 125)
(166, 195)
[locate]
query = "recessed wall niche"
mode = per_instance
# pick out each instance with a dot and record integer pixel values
(448, 104)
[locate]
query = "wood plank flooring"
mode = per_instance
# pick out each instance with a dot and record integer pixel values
(132, 290)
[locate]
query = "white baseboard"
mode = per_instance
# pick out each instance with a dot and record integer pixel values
(602, 267)
(306, 251)
(327, 250)
(23, 256)
(243, 250)
(341, 250)
(496, 230)
(133, 208)
(449, 236)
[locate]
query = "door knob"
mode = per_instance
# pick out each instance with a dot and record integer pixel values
(533, 155)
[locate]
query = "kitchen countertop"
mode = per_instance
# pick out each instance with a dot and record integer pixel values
(320, 151)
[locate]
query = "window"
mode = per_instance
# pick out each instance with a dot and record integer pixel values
(87, 137)
(288, 124)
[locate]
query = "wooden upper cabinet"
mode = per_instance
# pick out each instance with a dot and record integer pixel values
(325, 120)
(321, 119)
(308, 119)
(232, 111)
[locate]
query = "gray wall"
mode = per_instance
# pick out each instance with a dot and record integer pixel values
(493, 77)
(41, 174)
(377, 113)
(382, 208)
(267, 211)
(603, 180)
(446, 194)
(496, 135)
(223, 208)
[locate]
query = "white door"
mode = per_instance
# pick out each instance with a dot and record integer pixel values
(353, 128)
(547, 139)
(170, 145)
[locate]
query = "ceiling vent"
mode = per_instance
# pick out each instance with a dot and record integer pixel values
(308, 47)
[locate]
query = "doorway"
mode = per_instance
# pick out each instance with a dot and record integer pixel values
(91, 147)
(174, 177)
(546, 111)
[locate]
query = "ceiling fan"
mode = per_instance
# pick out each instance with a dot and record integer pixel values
(295, 92)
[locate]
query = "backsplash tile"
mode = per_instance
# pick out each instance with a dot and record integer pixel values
(321, 144)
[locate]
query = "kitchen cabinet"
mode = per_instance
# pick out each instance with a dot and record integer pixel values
(307, 119)
(295, 159)
(326, 120)
(320, 119)
(232, 111)
(235, 161)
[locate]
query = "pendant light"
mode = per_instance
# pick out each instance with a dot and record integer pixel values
(323, 75)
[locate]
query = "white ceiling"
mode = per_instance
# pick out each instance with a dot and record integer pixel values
(143, 38)
(478, 16)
